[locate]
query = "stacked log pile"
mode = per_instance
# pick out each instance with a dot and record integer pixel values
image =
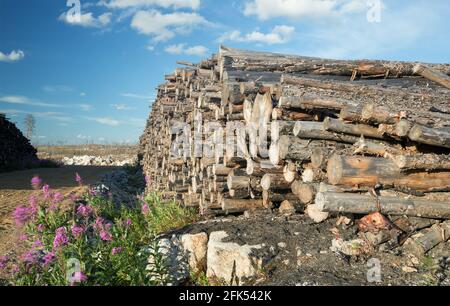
(249, 130)
(16, 152)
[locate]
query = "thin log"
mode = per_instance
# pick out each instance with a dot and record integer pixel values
(352, 129)
(430, 136)
(432, 75)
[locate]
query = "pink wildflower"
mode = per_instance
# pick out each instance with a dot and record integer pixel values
(105, 235)
(127, 223)
(78, 179)
(84, 211)
(37, 244)
(77, 231)
(36, 182)
(61, 238)
(98, 224)
(116, 251)
(48, 258)
(78, 277)
(3, 262)
(145, 209)
(40, 228)
(22, 215)
(58, 197)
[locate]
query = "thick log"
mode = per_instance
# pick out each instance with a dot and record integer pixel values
(292, 148)
(352, 129)
(370, 171)
(426, 162)
(274, 182)
(430, 136)
(379, 114)
(366, 204)
(432, 75)
(239, 206)
(316, 130)
(290, 172)
(313, 102)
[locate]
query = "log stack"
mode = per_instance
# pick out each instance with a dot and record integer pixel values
(16, 152)
(249, 130)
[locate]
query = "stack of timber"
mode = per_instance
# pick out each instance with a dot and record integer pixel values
(16, 152)
(249, 130)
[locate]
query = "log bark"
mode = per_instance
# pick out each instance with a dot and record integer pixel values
(352, 129)
(432, 75)
(370, 171)
(366, 204)
(430, 136)
(239, 206)
(422, 243)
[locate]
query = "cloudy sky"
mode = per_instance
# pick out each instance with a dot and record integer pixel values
(92, 78)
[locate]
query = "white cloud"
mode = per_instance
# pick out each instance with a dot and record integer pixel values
(184, 49)
(192, 4)
(266, 9)
(26, 101)
(83, 137)
(86, 107)
(51, 115)
(87, 20)
(136, 96)
(279, 35)
(82, 94)
(122, 107)
(105, 121)
(13, 56)
(163, 27)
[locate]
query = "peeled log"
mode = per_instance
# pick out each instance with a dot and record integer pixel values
(292, 148)
(274, 182)
(305, 192)
(432, 75)
(366, 204)
(352, 129)
(370, 171)
(430, 136)
(316, 130)
(239, 206)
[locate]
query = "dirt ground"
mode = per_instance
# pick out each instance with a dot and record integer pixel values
(296, 252)
(15, 189)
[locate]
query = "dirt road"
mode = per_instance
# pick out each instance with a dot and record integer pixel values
(15, 189)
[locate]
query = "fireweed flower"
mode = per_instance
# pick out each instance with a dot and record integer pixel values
(61, 238)
(3, 262)
(78, 277)
(78, 179)
(40, 228)
(37, 244)
(105, 235)
(22, 215)
(52, 208)
(58, 197)
(116, 251)
(23, 237)
(46, 190)
(73, 197)
(84, 210)
(145, 209)
(127, 223)
(48, 258)
(30, 257)
(36, 182)
(98, 224)
(92, 192)
(77, 231)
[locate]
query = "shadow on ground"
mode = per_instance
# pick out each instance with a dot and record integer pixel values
(63, 177)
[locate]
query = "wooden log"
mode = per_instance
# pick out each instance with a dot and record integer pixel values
(290, 172)
(305, 192)
(364, 146)
(378, 114)
(432, 75)
(352, 129)
(430, 136)
(316, 130)
(366, 204)
(240, 206)
(426, 162)
(292, 148)
(282, 114)
(423, 242)
(370, 171)
(311, 102)
(274, 182)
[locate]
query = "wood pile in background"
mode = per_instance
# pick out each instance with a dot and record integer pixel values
(342, 136)
(16, 152)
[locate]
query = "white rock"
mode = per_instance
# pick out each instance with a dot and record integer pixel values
(230, 261)
(195, 247)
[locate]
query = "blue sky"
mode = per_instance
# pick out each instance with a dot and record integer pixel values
(93, 79)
